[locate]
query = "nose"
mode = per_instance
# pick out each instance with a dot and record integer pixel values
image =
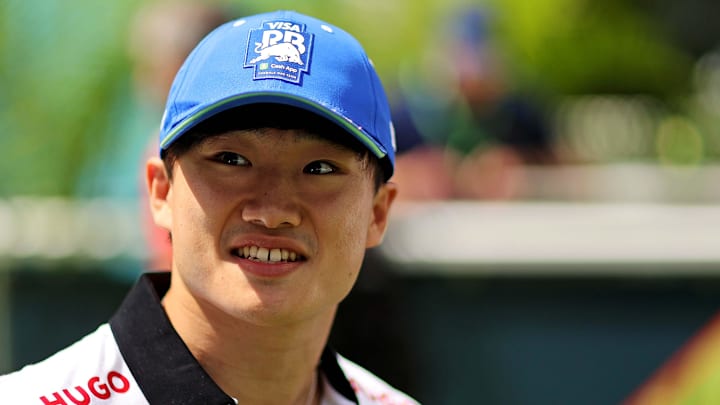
(272, 205)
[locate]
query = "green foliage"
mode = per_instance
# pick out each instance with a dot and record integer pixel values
(63, 65)
(581, 46)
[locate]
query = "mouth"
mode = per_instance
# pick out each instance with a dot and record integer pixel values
(267, 255)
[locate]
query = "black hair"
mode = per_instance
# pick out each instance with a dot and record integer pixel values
(277, 116)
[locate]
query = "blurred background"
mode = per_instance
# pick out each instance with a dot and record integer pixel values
(556, 238)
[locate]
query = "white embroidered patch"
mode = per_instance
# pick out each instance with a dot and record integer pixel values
(279, 50)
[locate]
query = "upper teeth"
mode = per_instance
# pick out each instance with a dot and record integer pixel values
(268, 255)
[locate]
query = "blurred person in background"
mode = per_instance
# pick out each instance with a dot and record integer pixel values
(162, 35)
(462, 130)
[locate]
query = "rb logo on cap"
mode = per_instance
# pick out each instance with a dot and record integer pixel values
(281, 50)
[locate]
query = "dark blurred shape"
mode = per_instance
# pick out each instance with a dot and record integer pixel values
(472, 138)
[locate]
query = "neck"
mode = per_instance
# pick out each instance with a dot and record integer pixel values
(255, 364)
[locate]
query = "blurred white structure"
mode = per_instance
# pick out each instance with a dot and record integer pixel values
(57, 228)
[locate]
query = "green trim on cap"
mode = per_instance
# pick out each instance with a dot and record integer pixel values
(193, 119)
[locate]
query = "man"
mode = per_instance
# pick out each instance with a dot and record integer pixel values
(276, 149)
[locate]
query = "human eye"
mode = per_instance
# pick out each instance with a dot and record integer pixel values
(320, 167)
(231, 159)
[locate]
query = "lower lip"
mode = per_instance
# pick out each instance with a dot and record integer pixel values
(267, 269)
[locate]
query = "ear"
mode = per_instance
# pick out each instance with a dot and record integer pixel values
(381, 209)
(159, 191)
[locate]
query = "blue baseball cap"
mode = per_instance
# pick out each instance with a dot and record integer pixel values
(286, 58)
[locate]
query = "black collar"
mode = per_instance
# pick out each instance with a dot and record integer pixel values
(163, 366)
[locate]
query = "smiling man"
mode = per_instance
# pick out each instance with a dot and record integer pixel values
(275, 152)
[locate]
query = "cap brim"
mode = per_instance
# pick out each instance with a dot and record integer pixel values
(208, 111)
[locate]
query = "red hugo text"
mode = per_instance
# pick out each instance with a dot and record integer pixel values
(96, 387)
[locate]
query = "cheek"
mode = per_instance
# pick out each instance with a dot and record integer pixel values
(193, 229)
(195, 249)
(347, 231)
(198, 210)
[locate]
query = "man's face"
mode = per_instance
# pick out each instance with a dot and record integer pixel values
(268, 226)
